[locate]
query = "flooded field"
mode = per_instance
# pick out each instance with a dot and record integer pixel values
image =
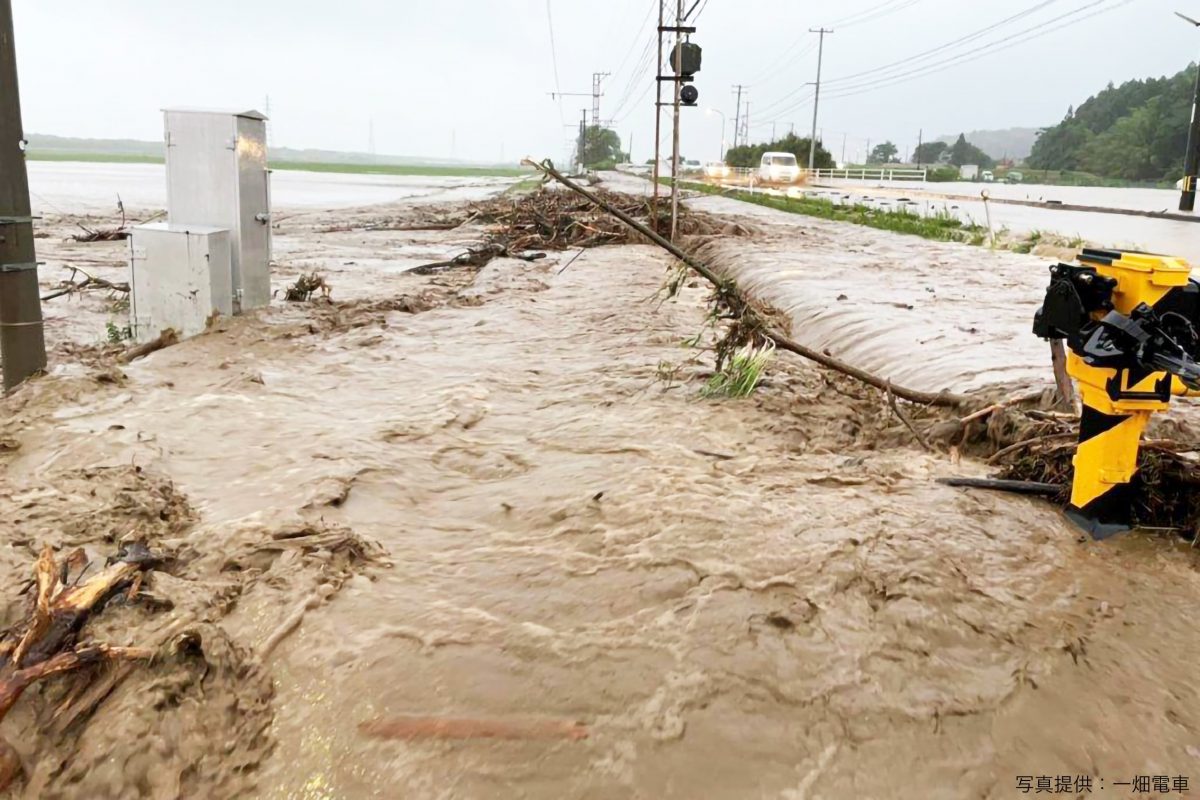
(58, 187)
(530, 560)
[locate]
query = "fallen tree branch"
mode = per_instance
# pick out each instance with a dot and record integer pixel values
(908, 423)
(1021, 445)
(1016, 487)
(1003, 404)
(71, 286)
(729, 286)
(164, 339)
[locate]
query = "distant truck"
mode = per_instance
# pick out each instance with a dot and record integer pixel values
(968, 172)
(988, 176)
(1014, 177)
(778, 168)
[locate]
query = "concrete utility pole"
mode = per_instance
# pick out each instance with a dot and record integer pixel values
(675, 136)
(737, 115)
(597, 77)
(812, 142)
(582, 136)
(657, 115)
(22, 342)
(920, 135)
(1191, 162)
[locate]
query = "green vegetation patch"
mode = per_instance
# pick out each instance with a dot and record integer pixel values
(943, 226)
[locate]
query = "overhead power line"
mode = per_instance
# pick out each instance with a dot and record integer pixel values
(1021, 37)
(554, 59)
(877, 12)
(970, 37)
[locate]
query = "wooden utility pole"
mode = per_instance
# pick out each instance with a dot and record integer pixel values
(22, 341)
(812, 142)
(675, 133)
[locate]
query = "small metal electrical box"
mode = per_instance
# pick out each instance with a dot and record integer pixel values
(217, 176)
(181, 276)
(685, 58)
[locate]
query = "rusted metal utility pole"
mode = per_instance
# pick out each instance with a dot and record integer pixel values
(22, 342)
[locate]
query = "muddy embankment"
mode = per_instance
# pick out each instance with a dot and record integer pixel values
(590, 581)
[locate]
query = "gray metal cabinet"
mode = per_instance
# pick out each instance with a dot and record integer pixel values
(181, 277)
(217, 176)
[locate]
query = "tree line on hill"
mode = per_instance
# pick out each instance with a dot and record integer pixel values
(1135, 131)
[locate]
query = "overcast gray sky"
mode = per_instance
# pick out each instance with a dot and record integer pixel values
(470, 78)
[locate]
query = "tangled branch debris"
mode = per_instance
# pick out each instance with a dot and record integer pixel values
(556, 220)
(306, 286)
(116, 234)
(74, 285)
(44, 642)
(474, 257)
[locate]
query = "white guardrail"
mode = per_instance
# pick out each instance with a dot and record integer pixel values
(747, 176)
(864, 174)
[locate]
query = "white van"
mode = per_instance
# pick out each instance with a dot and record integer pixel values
(778, 168)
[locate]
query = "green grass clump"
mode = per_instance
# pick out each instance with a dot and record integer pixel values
(739, 376)
(526, 186)
(941, 226)
(113, 158)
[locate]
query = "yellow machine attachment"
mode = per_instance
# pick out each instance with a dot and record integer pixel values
(1130, 321)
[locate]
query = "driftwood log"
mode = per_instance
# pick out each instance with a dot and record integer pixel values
(43, 643)
(164, 339)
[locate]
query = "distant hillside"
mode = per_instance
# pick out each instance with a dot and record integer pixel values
(62, 146)
(1136, 131)
(1014, 143)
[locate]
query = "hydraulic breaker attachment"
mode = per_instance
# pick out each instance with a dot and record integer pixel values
(1131, 321)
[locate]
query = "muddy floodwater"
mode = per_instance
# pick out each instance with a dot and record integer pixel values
(533, 561)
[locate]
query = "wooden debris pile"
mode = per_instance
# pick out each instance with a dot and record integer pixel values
(556, 220)
(1166, 489)
(44, 643)
(117, 234)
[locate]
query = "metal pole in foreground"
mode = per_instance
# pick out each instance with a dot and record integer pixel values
(657, 115)
(812, 142)
(737, 115)
(22, 342)
(1191, 163)
(675, 135)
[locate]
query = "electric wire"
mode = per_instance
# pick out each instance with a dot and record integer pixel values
(848, 90)
(933, 51)
(554, 58)
(1026, 35)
